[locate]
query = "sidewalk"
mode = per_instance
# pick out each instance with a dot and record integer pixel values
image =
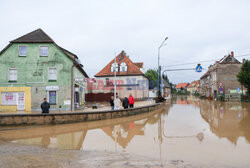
(106, 106)
(102, 106)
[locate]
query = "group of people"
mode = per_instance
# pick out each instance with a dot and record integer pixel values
(126, 102)
(114, 103)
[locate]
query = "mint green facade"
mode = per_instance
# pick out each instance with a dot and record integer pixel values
(33, 71)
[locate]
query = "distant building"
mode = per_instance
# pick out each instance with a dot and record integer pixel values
(193, 87)
(32, 67)
(221, 78)
(182, 86)
(129, 78)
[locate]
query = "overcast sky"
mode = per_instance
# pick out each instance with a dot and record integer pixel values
(97, 29)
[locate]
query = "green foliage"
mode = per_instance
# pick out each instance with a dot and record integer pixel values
(151, 74)
(244, 75)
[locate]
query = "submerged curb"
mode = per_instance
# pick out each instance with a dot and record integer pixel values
(62, 118)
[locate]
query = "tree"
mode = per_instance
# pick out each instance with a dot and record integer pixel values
(151, 74)
(244, 75)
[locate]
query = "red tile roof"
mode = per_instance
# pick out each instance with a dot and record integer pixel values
(139, 64)
(132, 68)
(194, 84)
(182, 85)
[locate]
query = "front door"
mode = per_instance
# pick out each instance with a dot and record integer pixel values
(20, 101)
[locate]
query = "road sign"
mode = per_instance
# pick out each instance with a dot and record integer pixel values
(220, 84)
(221, 89)
(238, 89)
(198, 68)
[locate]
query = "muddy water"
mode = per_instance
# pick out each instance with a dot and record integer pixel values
(191, 130)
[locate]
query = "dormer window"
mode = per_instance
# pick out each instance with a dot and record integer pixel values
(123, 67)
(114, 67)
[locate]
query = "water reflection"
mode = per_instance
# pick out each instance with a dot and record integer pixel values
(72, 136)
(187, 129)
(227, 120)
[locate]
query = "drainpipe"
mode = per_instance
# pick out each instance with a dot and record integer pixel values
(72, 85)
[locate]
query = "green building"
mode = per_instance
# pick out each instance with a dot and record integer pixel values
(33, 67)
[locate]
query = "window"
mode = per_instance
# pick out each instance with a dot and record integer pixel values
(44, 51)
(22, 50)
(52, 74)
(123, 67)
(52, 97)
(12, 74)
(114, 67)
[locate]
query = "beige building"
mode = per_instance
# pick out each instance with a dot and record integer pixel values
(129, 78)
(221, 78)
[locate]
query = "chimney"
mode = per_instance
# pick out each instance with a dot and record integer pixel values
(243, 61)
(232, 53)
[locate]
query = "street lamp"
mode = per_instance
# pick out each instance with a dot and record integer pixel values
(158, 73)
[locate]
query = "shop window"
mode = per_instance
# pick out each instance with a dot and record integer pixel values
(12, 74)
(44, 51)
(22, 51)
(52, 74)
(52, 97)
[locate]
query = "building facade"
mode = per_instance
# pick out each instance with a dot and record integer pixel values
(221, 78)
(33, 67)
(126, 75)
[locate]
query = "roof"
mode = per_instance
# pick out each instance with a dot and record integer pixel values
(36, 36)
(39, 36)
(182, 85)
(193, 84)
(139, 64)
(132, 68)
(204, 75)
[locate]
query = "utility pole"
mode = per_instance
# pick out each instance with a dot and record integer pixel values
(115, 79)
(158, 73)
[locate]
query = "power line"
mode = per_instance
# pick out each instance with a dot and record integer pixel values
(189, 63)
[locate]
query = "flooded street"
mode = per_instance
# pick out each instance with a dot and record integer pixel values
(188, 130)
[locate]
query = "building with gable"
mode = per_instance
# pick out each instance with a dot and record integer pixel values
(182, 86)
(129, 78)
(33, 67)
(221, 78)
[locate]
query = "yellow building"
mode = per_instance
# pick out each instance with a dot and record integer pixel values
(15, 98)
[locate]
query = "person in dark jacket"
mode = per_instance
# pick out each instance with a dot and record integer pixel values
(112, 102)
(45, 106)
(125, 103)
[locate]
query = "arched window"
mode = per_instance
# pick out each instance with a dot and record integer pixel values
(123, 67)
(114, 67)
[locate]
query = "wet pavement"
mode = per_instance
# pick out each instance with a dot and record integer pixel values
(188, 132)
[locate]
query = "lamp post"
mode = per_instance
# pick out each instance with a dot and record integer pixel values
(158, 73)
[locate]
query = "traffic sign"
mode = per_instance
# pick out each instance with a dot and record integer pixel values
(221, 89)
(198, 68)
(220, 84)
(238, 89)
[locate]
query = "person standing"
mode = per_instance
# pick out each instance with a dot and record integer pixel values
(131, 100)
(125, 103)
(45, 106)
(117, 103)
(112, 102)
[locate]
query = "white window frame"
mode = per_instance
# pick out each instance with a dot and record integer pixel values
(56, 96)
(9, 75)
(114, 66)
(49, 77)
(41, 53)
(123, 65)
(19, 50)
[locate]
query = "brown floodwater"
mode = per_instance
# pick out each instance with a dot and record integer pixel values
(188, 129)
